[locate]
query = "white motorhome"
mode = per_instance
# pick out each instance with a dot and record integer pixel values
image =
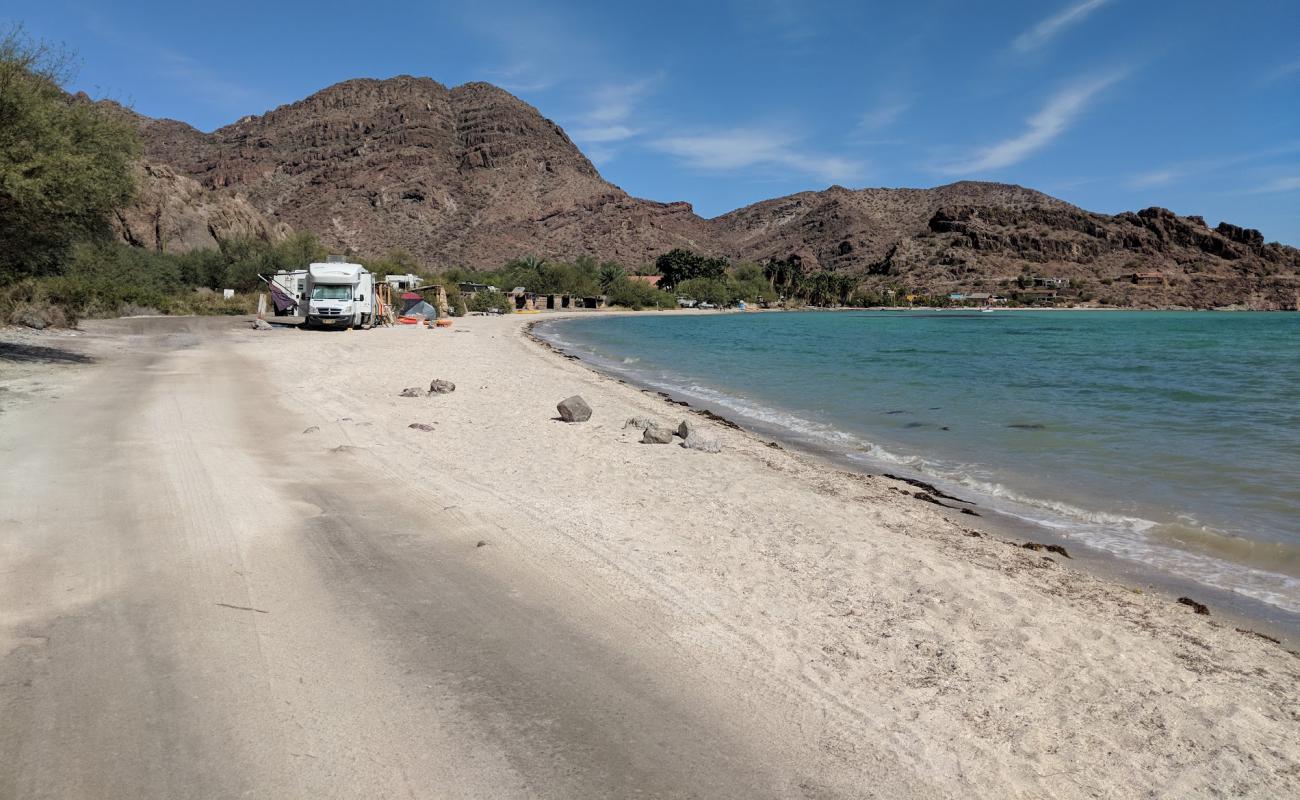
(339, 294)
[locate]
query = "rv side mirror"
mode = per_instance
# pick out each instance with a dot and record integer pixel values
(361, 298)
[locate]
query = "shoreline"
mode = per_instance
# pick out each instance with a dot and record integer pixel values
(1249, 612)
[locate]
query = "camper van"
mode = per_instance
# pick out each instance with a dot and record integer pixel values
(339, 294)
(288, 289)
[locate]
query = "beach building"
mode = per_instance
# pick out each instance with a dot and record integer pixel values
(554, 302)
(469, 289)
(523, 299)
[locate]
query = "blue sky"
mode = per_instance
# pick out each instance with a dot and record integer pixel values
(1110, 104)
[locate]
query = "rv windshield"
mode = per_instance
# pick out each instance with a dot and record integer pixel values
(331, 291)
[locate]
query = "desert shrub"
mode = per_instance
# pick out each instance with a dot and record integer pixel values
(637, 295)
(487, 301)
(65, 163)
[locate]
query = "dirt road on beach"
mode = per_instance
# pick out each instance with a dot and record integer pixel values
(195, 604)
(229, 568)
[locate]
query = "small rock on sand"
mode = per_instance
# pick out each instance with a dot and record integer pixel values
(412, 391)
(657, 434)
(640, 423)
(421, 426)
(260, 325)
(574, 409)
(439, 386)
(312, 429)
(697, 441)
(686, 429)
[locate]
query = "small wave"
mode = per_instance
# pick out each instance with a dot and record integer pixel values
(1233, 564)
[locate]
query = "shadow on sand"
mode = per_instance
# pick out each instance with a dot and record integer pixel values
(37, 354)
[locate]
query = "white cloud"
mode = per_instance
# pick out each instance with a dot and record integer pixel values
(608, 119)
(883, 115)
(1046, 30)
(1208, 166)
(1289, 183)
(726, 151)
(1051, 121)
(608, 133)
(1283, 71)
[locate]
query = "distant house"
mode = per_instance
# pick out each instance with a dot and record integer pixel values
(653, 280)
(1149, 278)
(1049, 283)
(1036, 295)
(469, 289)
(957, 297)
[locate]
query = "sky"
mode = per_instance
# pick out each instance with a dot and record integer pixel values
(1112, 105)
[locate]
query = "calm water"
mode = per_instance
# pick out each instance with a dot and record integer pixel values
(1170, 439)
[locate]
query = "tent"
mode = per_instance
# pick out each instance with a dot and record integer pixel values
(410, 299)
(421, 309)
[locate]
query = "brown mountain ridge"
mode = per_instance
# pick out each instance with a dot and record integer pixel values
(473, 176)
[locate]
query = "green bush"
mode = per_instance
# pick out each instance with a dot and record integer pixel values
(65, 163)
(487, 301)
(637, 295)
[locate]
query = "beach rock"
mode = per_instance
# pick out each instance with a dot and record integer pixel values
(411, 391)
(312, 429)
(640, 423)
(574, 409)
(421, 426)
(685, 429)
(657, 434)
(439, 386)
(1199, 608)
(260, 325)
(697, 441)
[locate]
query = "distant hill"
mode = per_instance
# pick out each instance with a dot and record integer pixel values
(474, 176)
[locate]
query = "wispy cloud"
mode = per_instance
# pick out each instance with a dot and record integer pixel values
(207, 84)
(1290, 183)
(1054, 119)
(520, 78)
(1048, 29)
(737, 149)
(609, 119)
(1283, 71)
(1171, 173)
(883, 115)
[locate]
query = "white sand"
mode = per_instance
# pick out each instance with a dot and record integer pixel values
(858, 630)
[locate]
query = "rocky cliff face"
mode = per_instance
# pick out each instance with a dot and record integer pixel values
(474, 176)
(470, 175)
(174, 214)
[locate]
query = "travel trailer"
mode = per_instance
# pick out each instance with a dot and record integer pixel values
(339, 294)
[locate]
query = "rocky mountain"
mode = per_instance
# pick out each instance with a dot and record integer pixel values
(470, 175)
(474, 176)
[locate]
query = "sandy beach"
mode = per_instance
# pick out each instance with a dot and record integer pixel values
(836, 635)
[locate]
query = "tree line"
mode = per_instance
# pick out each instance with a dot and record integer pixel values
(66, 165)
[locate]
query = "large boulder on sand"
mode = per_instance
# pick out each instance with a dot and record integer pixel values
(439, 386)
(574, 409)
(697, 441)
(657, 434)
(686, 429)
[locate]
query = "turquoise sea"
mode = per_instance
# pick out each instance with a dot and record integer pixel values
(1165, 439)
